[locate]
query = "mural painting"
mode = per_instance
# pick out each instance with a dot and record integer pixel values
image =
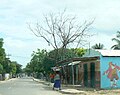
(112, 74)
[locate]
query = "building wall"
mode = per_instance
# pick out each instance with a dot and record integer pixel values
(82, 74)
(110, 76)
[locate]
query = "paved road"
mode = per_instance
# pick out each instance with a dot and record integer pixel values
(25, 86)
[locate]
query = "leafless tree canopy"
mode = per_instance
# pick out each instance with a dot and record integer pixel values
(60, 30)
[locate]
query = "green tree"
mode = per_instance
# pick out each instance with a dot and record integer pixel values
(6, 65)
(12, 68)
(43, 61)
(79, 52)
(37, 59)
(2, 55)
(1, 68)
(117, 40)
(98, 46)
(2, 51)
(18, 68)
(27, 69)
(36, 63)
(50, 61)
(9, 66)
(68, 53)
(47, 64)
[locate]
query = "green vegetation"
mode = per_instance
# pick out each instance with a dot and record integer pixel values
(59, 31)
(98, 46)
(6, 65)
(42, 61)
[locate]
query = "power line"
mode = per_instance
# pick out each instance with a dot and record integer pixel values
(19, 56)
(8, 55)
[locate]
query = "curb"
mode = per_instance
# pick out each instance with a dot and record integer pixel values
(8, 80)
(72, 91)
(40, 81)
(64, 91)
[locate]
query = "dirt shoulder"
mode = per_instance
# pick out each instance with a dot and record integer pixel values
(89, 91)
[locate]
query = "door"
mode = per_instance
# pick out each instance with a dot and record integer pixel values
(85, 75)
(92, 74)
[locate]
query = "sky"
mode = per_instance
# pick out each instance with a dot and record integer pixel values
(20, 42)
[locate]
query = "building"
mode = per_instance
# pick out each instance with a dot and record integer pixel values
(96, 69)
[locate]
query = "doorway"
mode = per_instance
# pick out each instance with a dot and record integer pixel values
(85, 75)
(92, 75)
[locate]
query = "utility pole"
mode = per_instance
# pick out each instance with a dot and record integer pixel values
(89, 48)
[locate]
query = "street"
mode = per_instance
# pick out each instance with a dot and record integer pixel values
(25, 86)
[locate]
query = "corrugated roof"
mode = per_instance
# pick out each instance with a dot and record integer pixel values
(91, 53)
(109, 52)
(95, 53)
(74, 63)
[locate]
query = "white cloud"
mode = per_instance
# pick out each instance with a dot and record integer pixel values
(10, 42)
(104, 39)
(14, 14)
(21, 49)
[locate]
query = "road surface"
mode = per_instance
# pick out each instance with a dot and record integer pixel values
(25, 86)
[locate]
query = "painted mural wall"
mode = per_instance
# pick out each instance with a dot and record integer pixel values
(110, 72)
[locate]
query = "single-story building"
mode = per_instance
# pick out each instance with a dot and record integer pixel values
(97, 69)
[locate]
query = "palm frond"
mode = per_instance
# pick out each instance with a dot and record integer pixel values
(116, 40)
(118, 34)
(116, 47)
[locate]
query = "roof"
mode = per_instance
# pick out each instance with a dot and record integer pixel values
(76, 60)
(109, 52)
(74, 63)
(97, 53)
(91, 53)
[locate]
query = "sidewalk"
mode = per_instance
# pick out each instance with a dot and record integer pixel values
(3, 81)
(69, 89)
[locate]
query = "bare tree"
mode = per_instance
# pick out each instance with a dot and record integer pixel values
(61, 30)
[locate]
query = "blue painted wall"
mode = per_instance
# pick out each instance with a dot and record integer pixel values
(110, 82)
